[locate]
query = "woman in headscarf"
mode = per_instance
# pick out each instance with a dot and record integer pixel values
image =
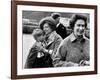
(52, 39)
(42, 53)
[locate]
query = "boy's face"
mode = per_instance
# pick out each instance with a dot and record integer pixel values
(40, 38)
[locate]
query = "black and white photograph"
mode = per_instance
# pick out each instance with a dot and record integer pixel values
(55, 40)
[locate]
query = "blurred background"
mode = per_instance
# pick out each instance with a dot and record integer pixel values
(31, 20)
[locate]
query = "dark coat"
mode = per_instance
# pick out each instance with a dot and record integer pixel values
(61, 30)
(34, 62)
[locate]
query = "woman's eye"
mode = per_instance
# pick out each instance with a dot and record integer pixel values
(78, 25)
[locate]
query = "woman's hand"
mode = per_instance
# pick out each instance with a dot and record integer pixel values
(84, 62)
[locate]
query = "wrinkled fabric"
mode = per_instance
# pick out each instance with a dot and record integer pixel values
(53, 42)
(72, 50)
(33, 61)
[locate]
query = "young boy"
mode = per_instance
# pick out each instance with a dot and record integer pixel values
(38, 56)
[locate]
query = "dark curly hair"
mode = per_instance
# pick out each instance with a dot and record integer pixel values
(75, 18)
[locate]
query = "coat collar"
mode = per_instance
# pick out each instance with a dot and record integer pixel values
(73, 38)
(51, 38)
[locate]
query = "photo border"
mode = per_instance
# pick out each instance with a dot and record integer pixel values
(14, 38)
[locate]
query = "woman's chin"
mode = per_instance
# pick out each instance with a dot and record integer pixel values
(80, 34)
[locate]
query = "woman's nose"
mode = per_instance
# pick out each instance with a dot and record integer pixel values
(81, 27)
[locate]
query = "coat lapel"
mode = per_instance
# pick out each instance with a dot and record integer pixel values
(51, 38)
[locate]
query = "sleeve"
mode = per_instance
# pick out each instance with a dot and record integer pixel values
(59, 57)
(56, 45)
(31, 57)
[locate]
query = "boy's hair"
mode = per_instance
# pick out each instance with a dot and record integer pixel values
(37, 33)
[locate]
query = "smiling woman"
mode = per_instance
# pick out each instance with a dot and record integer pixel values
(75, 48)
(53, 39)
(78, 24)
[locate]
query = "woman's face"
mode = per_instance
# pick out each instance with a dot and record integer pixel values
(79, 27)
(46, 28)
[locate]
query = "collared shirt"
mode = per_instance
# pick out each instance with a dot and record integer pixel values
(72, 50)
